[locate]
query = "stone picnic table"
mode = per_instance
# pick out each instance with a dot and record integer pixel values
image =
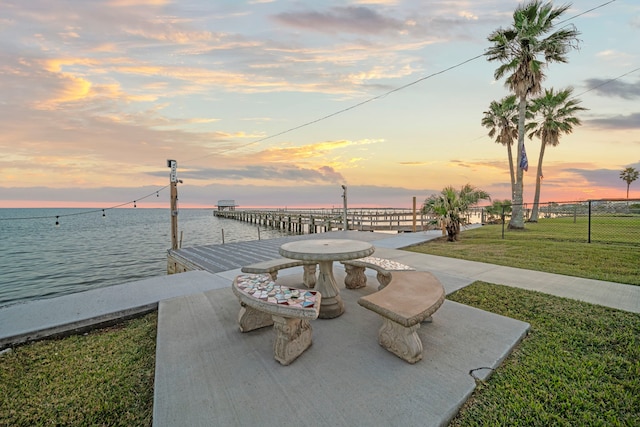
(325, 252)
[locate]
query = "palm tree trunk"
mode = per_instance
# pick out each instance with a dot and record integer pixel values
(513, 177)
(517, 219)
(536, 198)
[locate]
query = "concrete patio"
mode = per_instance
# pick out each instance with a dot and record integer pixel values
(209, 373)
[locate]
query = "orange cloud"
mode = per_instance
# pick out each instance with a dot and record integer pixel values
(310, 151)
(413, 163)
(56, 65)
(73, 89)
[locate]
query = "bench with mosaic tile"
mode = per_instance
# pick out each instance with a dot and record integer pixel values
(272, 266)
(354, 269)
(289, 310)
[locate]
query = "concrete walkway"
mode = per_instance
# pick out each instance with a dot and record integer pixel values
(208, 373)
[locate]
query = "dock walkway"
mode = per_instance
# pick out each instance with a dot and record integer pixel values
(324, 220)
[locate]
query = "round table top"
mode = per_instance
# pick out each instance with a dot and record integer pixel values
(326, 249)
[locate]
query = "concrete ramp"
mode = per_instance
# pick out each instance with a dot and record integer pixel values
(208, 373)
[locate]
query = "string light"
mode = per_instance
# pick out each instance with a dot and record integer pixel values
(134, 204)
(57, 217)
(103, 214)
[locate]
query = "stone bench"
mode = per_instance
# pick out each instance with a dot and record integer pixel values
(272, 267)
(409, 299)
(263, 303)
(354, 269)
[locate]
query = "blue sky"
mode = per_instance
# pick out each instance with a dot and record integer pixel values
(97, 95)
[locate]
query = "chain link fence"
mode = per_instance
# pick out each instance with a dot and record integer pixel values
(610, 221)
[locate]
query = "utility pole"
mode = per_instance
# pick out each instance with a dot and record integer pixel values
(173, 178)
(344, 214)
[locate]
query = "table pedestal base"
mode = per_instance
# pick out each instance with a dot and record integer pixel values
(331, 305)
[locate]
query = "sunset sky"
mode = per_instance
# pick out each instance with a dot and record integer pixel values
(279, 103)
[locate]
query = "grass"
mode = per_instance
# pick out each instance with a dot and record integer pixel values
(103, 378)
(579, 364)
(545, 246)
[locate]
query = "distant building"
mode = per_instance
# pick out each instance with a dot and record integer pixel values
(229, 205)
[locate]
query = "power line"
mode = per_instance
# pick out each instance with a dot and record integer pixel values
(370, 99)
(366, 101)
(608, 81)
(586, 11)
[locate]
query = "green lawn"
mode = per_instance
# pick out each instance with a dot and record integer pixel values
(578, 366)
(548, 246)
(103, 378)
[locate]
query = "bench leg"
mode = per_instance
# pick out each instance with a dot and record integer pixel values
(250, 319)
(402, 341)
(355, 277)
(309, 277)
(384, 279)
(293, 337)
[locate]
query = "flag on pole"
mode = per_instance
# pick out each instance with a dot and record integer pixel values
(524, 163)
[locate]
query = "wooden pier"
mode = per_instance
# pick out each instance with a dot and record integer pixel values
(302, 221)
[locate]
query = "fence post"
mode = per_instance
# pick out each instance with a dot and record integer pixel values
(589, 232)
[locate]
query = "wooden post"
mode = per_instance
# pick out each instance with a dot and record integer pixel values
(173, 178)
(414, 214)
(345, 225)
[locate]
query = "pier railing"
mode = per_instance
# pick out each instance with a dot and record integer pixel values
(321, 220)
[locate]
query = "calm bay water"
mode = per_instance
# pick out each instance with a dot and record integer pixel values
(87, 250)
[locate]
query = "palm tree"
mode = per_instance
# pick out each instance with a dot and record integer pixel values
(499, 209)
(556, 117)
(628, 175)
(502, 120)
(450, 207)
(518, 49)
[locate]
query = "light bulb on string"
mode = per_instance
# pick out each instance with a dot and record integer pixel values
(157, 194)
(57, 222)
(134, 204)
(103, 214)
